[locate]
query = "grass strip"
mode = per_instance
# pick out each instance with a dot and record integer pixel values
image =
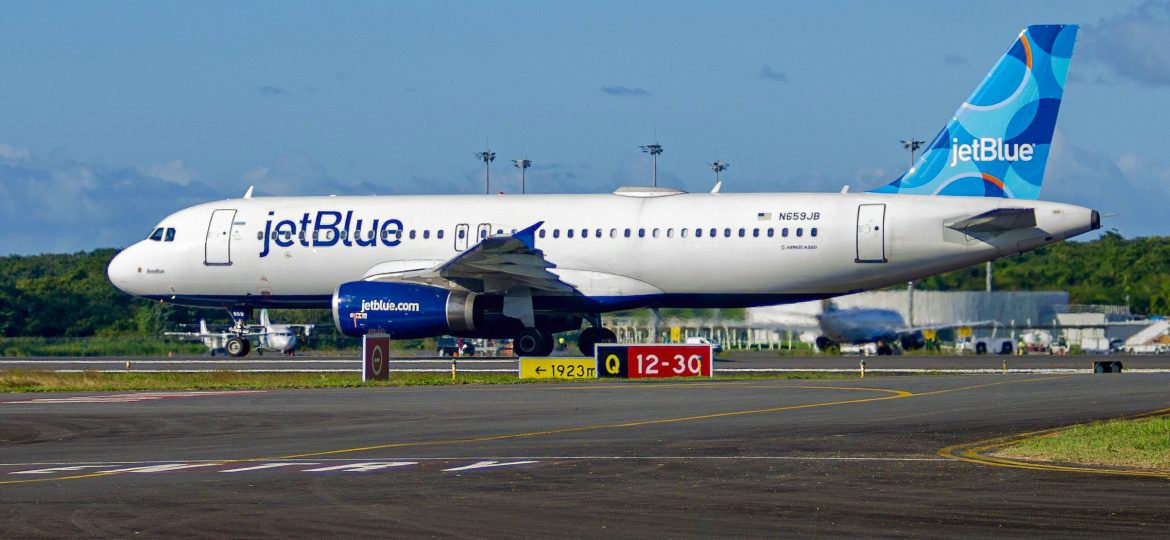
(1139, 443)
(50, 381)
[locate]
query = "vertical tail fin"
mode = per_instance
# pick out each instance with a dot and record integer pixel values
(264, 318)
(203, 327)
(996, 144)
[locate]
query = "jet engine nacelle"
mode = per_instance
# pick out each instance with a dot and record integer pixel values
(403, 310)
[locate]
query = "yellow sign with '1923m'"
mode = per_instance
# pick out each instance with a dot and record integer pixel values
(558, 368)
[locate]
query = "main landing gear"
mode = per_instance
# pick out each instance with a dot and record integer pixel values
(532, 342)
(593, 335)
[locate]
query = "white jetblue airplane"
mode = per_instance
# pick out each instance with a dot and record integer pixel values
(527, 266)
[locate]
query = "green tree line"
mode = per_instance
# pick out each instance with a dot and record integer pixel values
(68, 295)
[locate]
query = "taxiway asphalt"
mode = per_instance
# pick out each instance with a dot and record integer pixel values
(626, 459)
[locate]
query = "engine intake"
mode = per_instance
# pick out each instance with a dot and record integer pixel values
(402, 310)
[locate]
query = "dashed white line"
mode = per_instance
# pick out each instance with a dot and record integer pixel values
(486, 465)
(266, 466)
(363, 467)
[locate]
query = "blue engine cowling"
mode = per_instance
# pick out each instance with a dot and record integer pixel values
(402, 310)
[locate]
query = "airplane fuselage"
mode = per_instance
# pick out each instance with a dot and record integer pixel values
(650, 249)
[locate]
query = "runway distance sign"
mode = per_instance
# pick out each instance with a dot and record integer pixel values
(376, 357)
(654, 361)
(558, 368)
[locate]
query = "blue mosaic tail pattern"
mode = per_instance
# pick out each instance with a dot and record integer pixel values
(997, 143)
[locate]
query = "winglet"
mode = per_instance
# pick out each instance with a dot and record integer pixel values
(248, 194)
(528, 236)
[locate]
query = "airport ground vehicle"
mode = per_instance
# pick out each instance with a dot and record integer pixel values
(715, 345)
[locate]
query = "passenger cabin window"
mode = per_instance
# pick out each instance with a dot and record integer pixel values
(542, 233)
(412, 231)
(439, 234)
(641, 233)
(755, 233)
(698, 233)
(784, 232)
(683, 232)
(568, 233)
(654, 233)
(156, 235)
(713, 234)
(799, 231)
(627, 233)
(727, 233)
(556, 233)
(670, 233)
(597, 233)
(613, 233)
(742, 233)
(812, 231)
(426, 234)
(462, 233)
(170, 235)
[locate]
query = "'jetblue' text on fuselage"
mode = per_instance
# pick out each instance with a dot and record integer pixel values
(329, 228)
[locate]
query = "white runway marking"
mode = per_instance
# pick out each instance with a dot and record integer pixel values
(363, 467)
(266, 466)
(167, 467)
(60, 469)
(486, 465)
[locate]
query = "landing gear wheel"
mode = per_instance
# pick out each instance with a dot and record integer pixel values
(593, 335)
(885, 350)
(531, 342)
(237, 346)
(980, 348)
(547, 347)
(824, 344)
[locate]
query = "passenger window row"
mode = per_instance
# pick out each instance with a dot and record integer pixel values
(713, 232)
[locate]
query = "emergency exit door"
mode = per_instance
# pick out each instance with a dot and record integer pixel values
(871, 233)
(218, 248)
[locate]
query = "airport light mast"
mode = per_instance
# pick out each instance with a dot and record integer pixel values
(912, 145)
(718, 167)
(653, 150)
(488, 157)
(522, 164)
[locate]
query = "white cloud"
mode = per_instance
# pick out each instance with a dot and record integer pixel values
(1130, 186)
(174, 171)
(1135, 44)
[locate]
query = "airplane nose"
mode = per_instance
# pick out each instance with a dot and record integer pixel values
(120, 271)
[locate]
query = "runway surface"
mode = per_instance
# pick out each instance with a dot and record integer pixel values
(730, 362)
(674, 459)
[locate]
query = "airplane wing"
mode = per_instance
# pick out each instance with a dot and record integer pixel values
(495, 265)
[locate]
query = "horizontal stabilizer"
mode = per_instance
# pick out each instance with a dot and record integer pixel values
(998, 220)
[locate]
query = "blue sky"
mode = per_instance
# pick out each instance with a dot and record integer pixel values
(114, 114)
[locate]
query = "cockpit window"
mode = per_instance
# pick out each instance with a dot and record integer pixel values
(170, 235)
(157, 234)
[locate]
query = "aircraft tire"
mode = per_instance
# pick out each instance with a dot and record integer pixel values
(885, 350)
(546, 348)
(237, 347)
(980, 348)
(530, 342)
(824, 343)
(593, 335)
